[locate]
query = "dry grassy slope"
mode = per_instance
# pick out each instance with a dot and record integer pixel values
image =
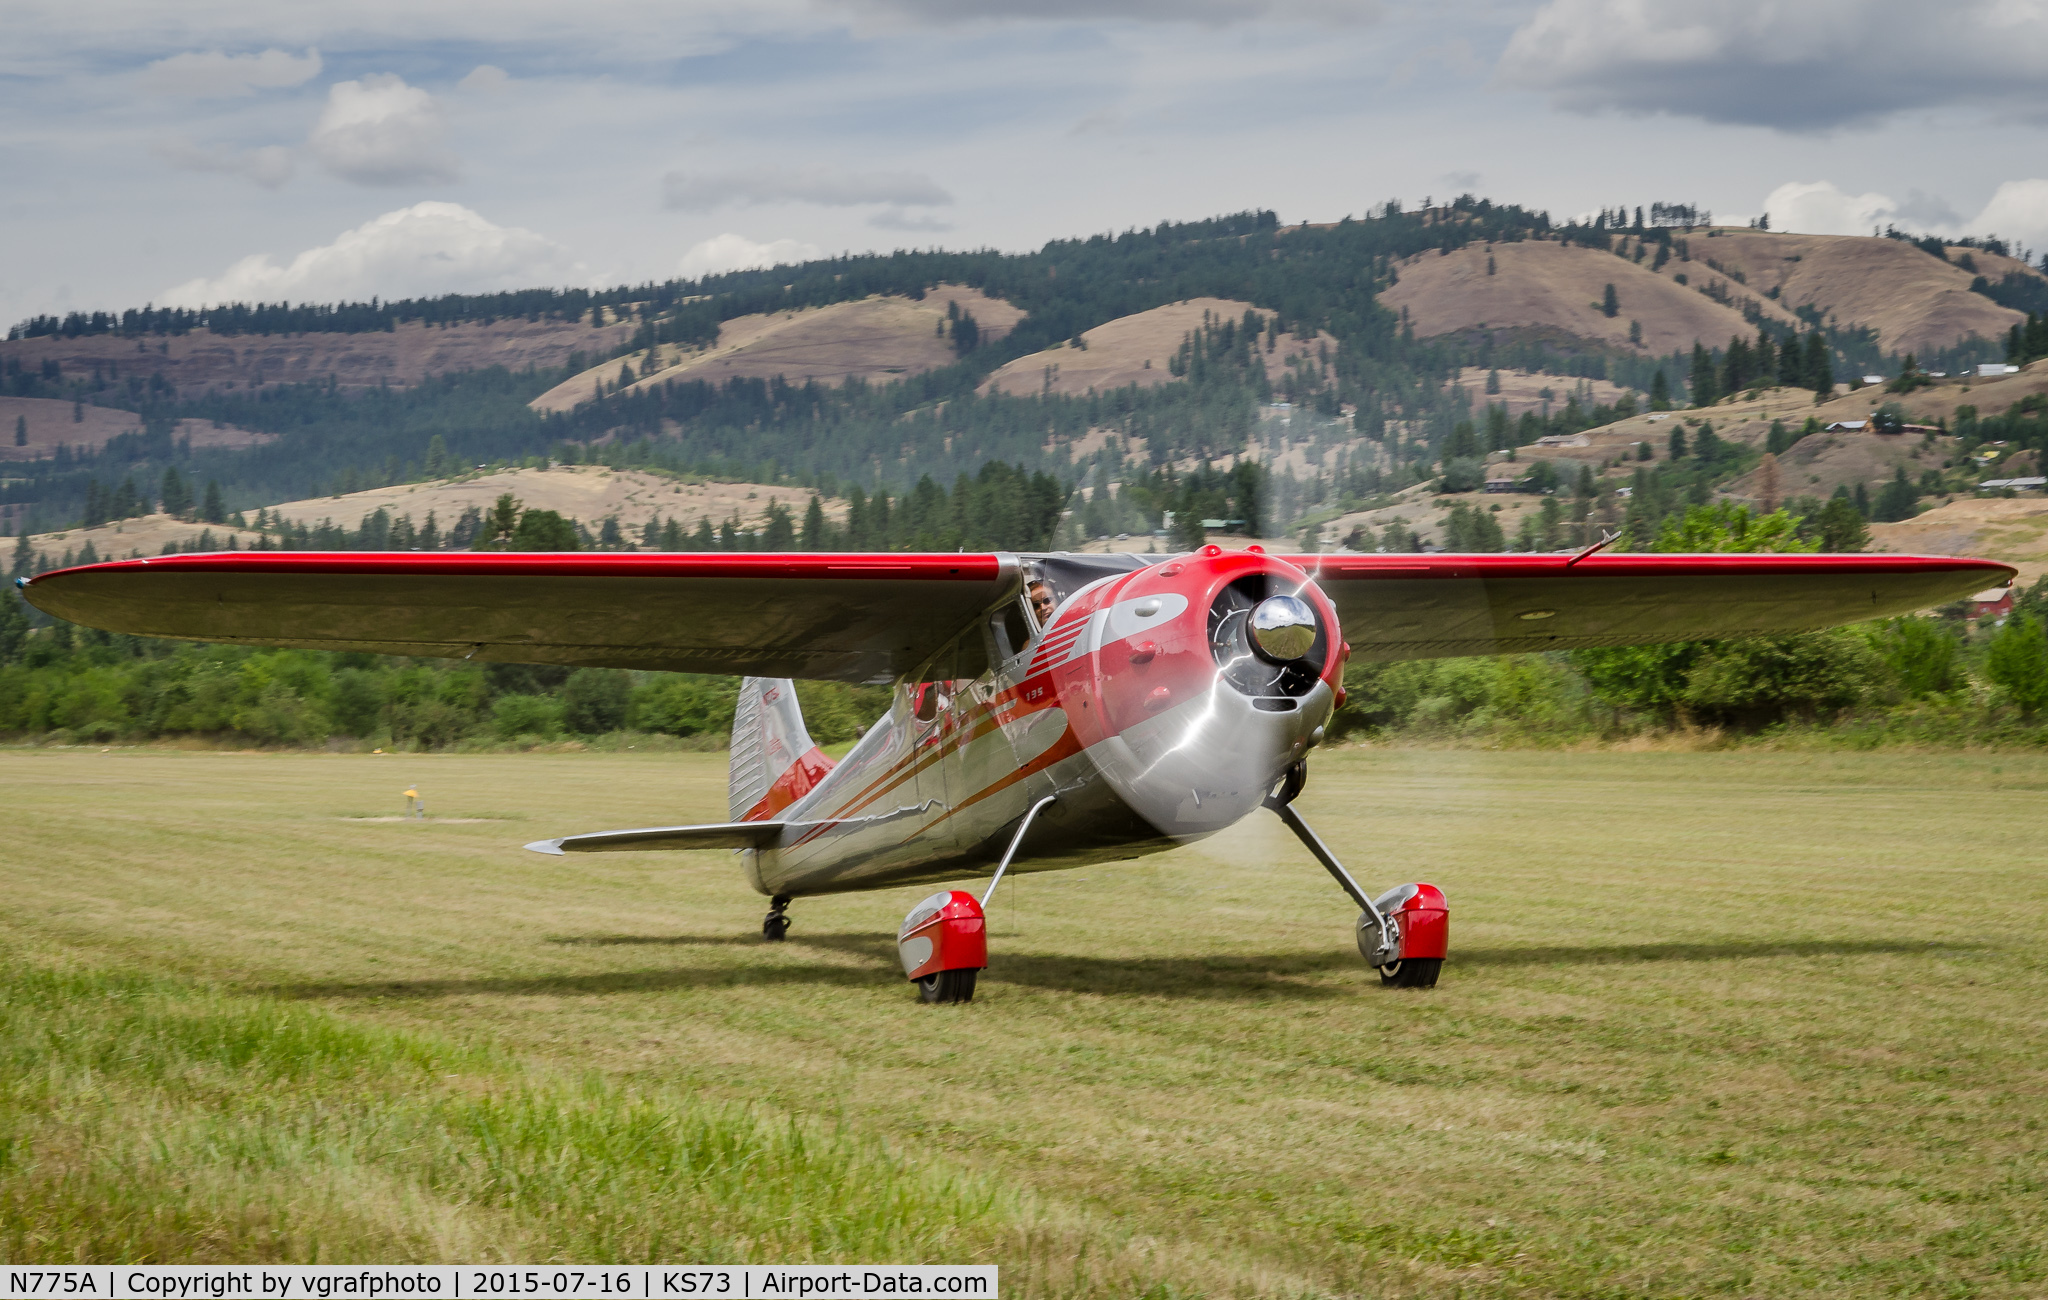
(1914, 300)
(1559, 286)
(404, 356)
(2014, 531)
(1522, 390)
(585, 492)
(1135, 349)
(875, 339)
(50, 424)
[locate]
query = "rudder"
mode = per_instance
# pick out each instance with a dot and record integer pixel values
(774, 763)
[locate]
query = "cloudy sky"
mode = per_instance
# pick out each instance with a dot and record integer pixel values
(214, 150)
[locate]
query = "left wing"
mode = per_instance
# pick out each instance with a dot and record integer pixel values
(843, 617)
(1433, 606)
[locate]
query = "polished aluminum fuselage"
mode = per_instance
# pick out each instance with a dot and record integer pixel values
(936, 788)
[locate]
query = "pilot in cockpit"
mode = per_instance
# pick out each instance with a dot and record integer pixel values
(1042, 600)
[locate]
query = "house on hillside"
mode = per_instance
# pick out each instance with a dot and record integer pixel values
(1995, 603)
(1993, 369)
(1564, 440)
(1847, 426)
(1502, 483)
(2030, 483)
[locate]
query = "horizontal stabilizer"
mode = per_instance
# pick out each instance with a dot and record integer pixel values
(716, 835)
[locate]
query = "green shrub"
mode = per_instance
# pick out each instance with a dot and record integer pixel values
(514, 716)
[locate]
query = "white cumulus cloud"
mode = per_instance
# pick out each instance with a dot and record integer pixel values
(380, 131)
(829, 187)
(1798, 67)
(420, 251)
(217, 75)
(730, 252)
(485, 78)
(2017, 212)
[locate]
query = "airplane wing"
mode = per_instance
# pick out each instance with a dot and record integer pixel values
(1434, 606)
(851, 617)
(715, 835)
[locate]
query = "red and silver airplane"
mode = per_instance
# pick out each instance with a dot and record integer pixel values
(1050, 710)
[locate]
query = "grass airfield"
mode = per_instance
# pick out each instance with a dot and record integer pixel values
(1714, 1024)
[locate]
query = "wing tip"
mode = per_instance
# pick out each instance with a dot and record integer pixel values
(553, 848)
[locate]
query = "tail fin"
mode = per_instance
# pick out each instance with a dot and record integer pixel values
(774, 763)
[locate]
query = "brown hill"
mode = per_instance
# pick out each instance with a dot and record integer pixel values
(402, 357)
(52, 424)
(587, 493)
(1128, 350)
(2013, 530)
(1135, 349)
(875, 338)
(1914, 300)
(1543, 285)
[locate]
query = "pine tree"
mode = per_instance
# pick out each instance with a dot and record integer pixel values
(1493, 381)
(1660, 392)
(21, 431)
(1896, 501)
(1610, 303)
(24, 557)
(438, 463)
(177, 497)
(1704, 389)
(215, 511)
(814, 525)
(1678, 442)
(1820, 370)
(703, 539)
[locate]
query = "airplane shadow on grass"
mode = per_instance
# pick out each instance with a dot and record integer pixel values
(1222, 977)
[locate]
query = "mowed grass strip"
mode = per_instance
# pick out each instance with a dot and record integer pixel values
(145, 1120)
(1714, 1024)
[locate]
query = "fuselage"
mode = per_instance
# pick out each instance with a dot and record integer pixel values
(1142, 704)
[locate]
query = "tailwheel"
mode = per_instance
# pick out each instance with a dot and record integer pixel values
(947, 986)
(1411, 973)
(775, 926)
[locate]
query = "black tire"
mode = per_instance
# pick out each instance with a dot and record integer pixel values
(1414, 973)
(947, 986)
(776, 928)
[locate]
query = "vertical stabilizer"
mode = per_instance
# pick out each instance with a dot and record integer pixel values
(774, 763)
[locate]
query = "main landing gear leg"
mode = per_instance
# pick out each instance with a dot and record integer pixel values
(775, 926)
(1404, 931)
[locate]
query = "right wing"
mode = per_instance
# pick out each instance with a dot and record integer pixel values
(715, 835)
(843, 617)
(1395, 607)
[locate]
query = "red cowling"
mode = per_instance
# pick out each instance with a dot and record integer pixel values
(944, 932)
(1425, 921)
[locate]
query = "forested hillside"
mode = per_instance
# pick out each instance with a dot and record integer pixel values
(1274, 378)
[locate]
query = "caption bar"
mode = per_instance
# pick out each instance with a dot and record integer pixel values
(464, 1281)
